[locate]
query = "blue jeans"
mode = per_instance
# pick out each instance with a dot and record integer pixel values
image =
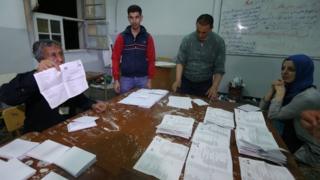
(128, 83)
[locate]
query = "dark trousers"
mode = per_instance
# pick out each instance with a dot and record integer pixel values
(194, 88)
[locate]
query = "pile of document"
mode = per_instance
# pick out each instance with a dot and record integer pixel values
(176, 125)
(212, 135)
(207, 162)
(82, 123)
(254, 139)
(145, 98)
(180, 102)
(58, 86)
(162, 159)
(254, 169)
(219, 117)
(74, 160)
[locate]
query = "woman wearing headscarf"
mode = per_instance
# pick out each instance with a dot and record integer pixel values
(285, 101)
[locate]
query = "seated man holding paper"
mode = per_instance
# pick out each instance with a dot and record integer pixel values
(24, 89)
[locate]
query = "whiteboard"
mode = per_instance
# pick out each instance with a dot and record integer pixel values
(271, 27)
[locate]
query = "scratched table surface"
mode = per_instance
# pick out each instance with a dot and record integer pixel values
(122, 134)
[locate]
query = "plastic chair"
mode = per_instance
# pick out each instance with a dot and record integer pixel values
(13, 118)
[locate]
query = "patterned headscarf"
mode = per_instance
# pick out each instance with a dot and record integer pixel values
(304, 76)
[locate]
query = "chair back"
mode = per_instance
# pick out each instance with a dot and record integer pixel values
(13, 118)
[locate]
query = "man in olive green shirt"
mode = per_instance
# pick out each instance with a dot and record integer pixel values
(200, 61)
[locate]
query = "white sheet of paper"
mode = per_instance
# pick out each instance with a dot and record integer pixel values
(254, 169)
(219, 117)
(75, 126)
(162, 159)
(16, 148)
(200, 102)
(206, 162)
(48, 151)
(145, 98)
(75, 161)
(254, 118)
(212, 135)
(249, 108)
(180, 102)
(85, 119)
(53, 176)
(15, 169)
(176, 125)
(58, 86)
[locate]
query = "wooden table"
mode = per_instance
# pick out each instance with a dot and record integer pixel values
(118, 150)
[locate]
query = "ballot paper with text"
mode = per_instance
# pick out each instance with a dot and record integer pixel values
(219, 117)
(212, 135)
(206, 162)
(58, 86)
(176, 125)
(254, 169)
(162, 159)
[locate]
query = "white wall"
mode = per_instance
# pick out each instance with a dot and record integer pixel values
(12, 14)
(168, 21)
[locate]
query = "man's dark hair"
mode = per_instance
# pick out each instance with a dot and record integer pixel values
(134, 8)
(37, 47)
(205, 19)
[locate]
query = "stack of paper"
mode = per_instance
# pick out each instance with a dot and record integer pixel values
(176, 125)
(180, 102)
(75, 161)
(219, 117)
(212, 135)
(253, 169)
(162, 159)
(249, 108)
(58, 86)
(48, 151)
(253, 119)
(260, 143)
(206, 162)
(82, 123)
(145, 98)
(16, 148)
(14, 169)
(200, 102)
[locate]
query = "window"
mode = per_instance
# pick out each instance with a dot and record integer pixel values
(64, 23)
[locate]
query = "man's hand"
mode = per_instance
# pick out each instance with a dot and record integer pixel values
(116, 86)
(99, 107)
(176, 85)
(310, 120)
(46, 64)
(212, 93)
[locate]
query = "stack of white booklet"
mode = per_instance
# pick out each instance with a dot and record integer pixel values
(207, 162)
(58, 86)
(180, 102)
(176, 125)
(258, 142)
(74, 160)
(212, 135)
(219, 117)
(16, 148)
(82, 122)
(248, 108)
(145, 98)
(253, 169)
(162, 159)
(15, 169)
